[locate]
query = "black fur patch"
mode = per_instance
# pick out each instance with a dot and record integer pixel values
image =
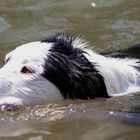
(131, 52)
(71, 72)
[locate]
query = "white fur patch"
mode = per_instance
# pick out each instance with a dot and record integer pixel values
(27, 89)
(120, 75)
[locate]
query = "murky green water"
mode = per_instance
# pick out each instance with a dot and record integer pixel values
(109, 25)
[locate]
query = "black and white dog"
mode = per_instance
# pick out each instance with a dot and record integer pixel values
(63, 67)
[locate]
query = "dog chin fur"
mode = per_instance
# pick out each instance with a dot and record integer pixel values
(63, 67)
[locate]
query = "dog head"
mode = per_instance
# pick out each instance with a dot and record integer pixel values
(48, 70)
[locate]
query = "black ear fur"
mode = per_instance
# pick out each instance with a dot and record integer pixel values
(67, 67)
(61, 43)
(73, 79)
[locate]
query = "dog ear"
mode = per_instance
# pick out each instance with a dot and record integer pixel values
(74, 79)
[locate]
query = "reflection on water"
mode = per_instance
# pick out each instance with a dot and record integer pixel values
(96, 119)
(108, 24)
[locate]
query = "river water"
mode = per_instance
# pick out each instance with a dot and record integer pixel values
(107, 25)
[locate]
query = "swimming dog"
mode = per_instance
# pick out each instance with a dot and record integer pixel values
(64, 67)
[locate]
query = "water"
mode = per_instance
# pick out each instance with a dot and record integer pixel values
(87, 120)
(108, 25)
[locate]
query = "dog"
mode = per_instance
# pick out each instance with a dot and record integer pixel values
(63, 67)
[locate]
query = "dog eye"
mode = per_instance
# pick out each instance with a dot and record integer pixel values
(26, 70)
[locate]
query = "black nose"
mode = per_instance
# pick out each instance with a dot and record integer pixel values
(9, 107)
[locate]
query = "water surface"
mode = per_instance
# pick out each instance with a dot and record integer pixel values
(107, 25)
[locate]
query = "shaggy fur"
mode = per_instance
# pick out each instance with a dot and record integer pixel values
(63, 67)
